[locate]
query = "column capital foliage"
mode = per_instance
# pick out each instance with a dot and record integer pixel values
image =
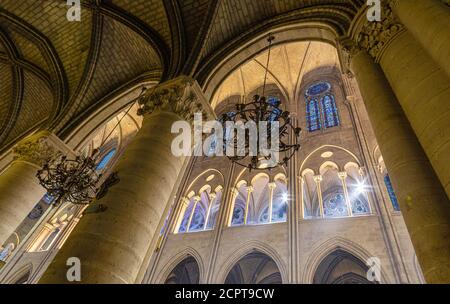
(376, 36)
(181, 96)
(36, 149)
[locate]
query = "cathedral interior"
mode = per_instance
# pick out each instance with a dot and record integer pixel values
(365, 200)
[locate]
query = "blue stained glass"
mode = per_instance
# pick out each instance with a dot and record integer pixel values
(359, 206)
(198, 220)
(279, 212)
(318, 89)
(264, 217)
(313, 115)
(212, 147)
(48, 199)
(238, 216)
(273, 101)
(329, 111)
(390, 190)
(105, 160)
(335, 206)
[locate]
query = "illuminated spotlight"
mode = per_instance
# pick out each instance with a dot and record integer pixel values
(285, 197)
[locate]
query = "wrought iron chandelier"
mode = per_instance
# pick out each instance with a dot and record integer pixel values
(262, 109)
(70, 180)
(75, 180)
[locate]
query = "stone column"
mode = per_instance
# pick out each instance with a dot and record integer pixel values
(318, 180)
(179, 216)
(343, 177)
(112, 244)
(420, 85)
(20, 190)
(247, 203)
(271, 186)
(429, 23)
(423, 202)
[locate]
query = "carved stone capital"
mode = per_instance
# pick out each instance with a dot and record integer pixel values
(182, 96)
(184, 201)
(347, 49)
(234, 191)
(36, 149)
(376, 36)
(212, 196)
(342, 175)
(317, 178)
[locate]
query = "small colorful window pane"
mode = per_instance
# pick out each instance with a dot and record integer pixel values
(212, 146)
(313, 115)
(335, 206)
(238, 216)
(319, 88)
(184, 223)
(279, 212)
(359, 206)
(198, 220)
(106, 159)
(329, 111)
(48, 199)
(274, 101)
(264, 217)
(390, 190)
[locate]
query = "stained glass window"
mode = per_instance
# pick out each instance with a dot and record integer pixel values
(323, 114)
(360, 206)
(238, 216)
(198, 220)
(48, 199)
(329, 111)
(319, 88)
(279, 212)
(335, 206)
(212, 146)
(390, 190)
(106, 159)
(313, 115)
(264, 217)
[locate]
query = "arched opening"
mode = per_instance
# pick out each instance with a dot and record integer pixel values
(186, 272)
(254, 268)
(341, 267)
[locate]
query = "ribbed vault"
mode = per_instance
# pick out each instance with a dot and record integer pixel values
(288, 64)
(55, 73)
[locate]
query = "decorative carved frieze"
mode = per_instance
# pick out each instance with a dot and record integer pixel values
(376, 36)
(35, 149)
(182, 96)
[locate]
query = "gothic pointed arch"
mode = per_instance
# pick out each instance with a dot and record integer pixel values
(254, 268)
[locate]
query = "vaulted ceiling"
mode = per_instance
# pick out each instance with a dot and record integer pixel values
(53, 73)
(288, 64)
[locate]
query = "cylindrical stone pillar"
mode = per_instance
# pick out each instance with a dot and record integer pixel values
(425, 207)
(429, 23)
(423, 90)
(20, 190)
(111, 245)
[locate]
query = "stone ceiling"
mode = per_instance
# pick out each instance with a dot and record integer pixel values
(54, 73)
(288, 64)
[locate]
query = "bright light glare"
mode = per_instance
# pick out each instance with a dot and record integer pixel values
(360, 187)
(285, 197)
